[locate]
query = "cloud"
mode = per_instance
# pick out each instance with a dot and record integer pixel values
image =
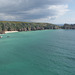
(32, 10)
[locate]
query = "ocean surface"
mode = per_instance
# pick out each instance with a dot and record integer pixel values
(43, 52)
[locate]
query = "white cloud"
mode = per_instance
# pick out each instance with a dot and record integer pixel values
(32, 10)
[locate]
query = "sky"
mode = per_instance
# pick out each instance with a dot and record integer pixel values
(49, 11)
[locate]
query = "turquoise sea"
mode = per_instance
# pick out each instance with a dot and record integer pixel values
(45, 52)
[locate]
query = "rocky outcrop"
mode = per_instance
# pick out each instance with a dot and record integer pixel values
(28, 26)
(24, 26)
(2, 32)
(69, 26)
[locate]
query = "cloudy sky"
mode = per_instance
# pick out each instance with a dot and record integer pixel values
(52, 11)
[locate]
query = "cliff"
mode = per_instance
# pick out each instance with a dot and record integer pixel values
(24, 26)
(69, 26)
(30, 26)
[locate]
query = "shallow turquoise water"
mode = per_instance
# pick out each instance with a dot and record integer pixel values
(46, 52)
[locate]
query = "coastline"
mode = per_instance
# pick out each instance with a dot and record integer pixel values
(10, 32)
(11, 26)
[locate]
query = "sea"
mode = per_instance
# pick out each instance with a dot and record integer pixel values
(42, 52)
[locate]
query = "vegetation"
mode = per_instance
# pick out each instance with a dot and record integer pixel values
(24, 26)
(29, 26)
(69, 26)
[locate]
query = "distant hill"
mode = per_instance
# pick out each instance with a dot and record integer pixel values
(60, 24)
(69, 26)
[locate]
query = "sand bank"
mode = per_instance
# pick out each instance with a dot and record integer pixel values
(10, 31)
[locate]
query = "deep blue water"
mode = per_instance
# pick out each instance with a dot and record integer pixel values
(45, 52)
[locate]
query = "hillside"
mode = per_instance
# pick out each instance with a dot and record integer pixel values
(69, 26)
(24, 26)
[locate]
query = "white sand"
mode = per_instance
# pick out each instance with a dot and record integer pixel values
(10, 31)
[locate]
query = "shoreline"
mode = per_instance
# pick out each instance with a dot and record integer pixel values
(10, 32)
(5, 32)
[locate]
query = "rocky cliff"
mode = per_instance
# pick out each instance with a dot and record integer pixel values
(69, 26)
(24, 26)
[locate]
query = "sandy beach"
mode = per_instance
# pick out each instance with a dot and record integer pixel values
(10, 31)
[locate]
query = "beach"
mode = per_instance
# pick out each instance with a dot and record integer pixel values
(10, 31)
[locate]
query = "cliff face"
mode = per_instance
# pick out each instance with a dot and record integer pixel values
(27, 26)
(24, 26)
(69, 26)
